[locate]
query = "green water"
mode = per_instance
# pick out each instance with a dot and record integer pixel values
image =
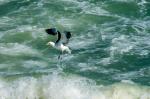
(110, 49)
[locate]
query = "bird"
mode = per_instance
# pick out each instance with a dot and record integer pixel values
(61, 42)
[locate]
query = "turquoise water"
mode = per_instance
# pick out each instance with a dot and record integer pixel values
(110, 49)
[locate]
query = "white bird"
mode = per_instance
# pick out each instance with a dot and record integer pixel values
(61, 42)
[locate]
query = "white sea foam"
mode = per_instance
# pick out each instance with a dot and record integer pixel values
(86, 40)
(89, 8)
(35, 31)
(131, 44)
(127, 75)
(86, 7)
(6, 65)
(59, 87)
(80, 42)
(124, 0)
(32, 63)
(127, 45)
(65, 22)
(121, 45)
(5, 1)
(15, 49)
(5, 20)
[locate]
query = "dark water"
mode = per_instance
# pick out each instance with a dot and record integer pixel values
(110, 49)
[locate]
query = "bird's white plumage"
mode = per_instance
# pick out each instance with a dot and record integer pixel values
(61, 43)
(60, 46)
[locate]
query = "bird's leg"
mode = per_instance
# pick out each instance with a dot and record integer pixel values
(59, 57)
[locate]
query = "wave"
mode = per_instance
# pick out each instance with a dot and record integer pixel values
(72, 87)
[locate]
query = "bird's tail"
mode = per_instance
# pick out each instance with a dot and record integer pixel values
(68, 50)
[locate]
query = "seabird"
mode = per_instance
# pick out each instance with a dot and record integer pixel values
(61, 42)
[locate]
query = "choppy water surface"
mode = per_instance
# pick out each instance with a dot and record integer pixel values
(110, 49)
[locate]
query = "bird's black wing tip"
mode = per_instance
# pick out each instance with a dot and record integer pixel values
(68, 34)
(51, 31)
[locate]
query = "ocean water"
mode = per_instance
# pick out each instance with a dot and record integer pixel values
(110, 49)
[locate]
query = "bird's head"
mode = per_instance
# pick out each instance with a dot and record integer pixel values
(51, 44)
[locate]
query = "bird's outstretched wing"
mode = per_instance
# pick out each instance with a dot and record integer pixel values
(61, 37)
(65, 36)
